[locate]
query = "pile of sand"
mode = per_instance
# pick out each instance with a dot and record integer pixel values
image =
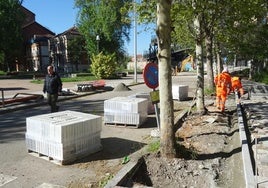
(121, 87)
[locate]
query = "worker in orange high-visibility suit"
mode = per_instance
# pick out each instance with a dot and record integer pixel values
(237, 87)
(223, 88)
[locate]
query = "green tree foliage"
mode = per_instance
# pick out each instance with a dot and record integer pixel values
(105, 19)
(76, 50)
(103, 66)
(243, 32)
(240, 24)
(182, 23)
(10, 32)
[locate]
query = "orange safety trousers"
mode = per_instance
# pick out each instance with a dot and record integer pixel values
(221, 98)
(223, 83)
(237, 86)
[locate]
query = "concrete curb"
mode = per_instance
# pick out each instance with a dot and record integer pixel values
(125, 173)
(247, 163)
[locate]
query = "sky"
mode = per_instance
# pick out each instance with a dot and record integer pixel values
(60, 15)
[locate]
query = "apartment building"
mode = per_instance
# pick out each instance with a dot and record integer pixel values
(43, 47)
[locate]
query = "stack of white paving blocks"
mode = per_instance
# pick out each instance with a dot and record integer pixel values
(64, 136)
(180, 92)
(150, 107)
(125, 111)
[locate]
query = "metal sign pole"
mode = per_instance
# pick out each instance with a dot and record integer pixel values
(150, 75)
(157, 115)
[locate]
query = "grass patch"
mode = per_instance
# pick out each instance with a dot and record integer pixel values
(105, 180)
(209, 91)
(154, 146)
(194, 109)
(83, 74)
(68, 79)
(38, 81)
(186, 153)
(78, 79)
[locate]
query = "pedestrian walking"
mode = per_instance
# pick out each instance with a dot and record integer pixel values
(237, 87)
(223, 88)
(53, 87)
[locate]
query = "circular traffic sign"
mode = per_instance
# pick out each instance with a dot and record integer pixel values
(150, 75)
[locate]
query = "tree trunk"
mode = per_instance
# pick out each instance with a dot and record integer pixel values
(167, 140)
(210, 76)
(219, 64)
(251, 70)
(200, 103)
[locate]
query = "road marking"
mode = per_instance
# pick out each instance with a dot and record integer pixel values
(4, 179)
(48, 185)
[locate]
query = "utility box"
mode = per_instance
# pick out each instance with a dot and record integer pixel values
(125, 111)
(180, 92)
(64, 136)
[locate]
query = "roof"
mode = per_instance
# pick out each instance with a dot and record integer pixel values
(38, 25)
(34, 29)
(27, 10)
(72, 31)
(29, 16)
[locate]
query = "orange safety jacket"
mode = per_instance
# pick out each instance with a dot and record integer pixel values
(223, 82)
(237, 85)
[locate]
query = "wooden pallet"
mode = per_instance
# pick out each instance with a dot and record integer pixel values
(122, 125)
(51, 159)
(64, 161)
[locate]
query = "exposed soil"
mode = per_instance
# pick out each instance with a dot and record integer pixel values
(209, 155)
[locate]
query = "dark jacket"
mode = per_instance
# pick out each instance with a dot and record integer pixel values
(52, 84)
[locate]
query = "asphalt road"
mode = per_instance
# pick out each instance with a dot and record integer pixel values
(20, 169)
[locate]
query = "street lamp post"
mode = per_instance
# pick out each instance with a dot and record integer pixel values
(57, 54)
(98, 41)
(135, 43)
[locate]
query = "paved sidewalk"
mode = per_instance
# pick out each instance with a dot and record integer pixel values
(255, 106)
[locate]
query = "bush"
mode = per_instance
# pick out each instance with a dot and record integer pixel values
(2, 73)
(103, 66)
(261, 77)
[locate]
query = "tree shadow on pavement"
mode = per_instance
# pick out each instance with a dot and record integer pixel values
(12, 129)
(113, 148)
(86, 106)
